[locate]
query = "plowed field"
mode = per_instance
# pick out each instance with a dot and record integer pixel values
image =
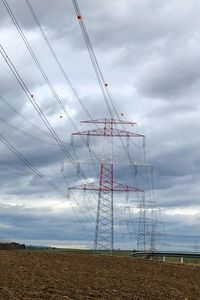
(35, 275)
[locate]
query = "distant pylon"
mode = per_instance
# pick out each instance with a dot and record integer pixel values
(141, 241)
(106, 186)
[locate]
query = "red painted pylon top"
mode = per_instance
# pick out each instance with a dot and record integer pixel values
(110, 121)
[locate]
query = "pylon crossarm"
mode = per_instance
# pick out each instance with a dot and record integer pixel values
(92, 186)
(113, 132)
(110, 121)
(116, 162)
(117, 187)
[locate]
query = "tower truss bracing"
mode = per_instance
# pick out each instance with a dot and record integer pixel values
(105, 187)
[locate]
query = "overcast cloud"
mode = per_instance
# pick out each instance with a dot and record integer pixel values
(149, 52)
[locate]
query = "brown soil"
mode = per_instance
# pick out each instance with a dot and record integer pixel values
(31, 275)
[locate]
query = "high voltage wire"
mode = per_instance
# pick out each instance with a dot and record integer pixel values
(59, 64)
(102, 83)
(37, 108)
(47, 81)
(101, 80)
(20, 31)
(32, 124)
(98, 72)
(37, 172)
(24, 87)
(62, 71)
(26, 162)
(2, 99)
(22, 131)
(33, 13)
(25, 133)
(106, 92)
(104, 88)
(39, 111)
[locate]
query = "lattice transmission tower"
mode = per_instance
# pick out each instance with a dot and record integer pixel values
(105, 186)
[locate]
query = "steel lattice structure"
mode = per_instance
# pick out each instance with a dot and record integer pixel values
(106, 186)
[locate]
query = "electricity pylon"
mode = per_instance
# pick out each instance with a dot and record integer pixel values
(105, 186)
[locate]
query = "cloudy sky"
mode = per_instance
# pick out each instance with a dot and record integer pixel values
(149, 53)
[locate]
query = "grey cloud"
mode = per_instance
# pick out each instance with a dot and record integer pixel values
(149, 53)
(171, 76)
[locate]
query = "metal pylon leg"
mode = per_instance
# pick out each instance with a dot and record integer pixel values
(104, 219)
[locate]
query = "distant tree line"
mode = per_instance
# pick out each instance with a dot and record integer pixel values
(11, 246)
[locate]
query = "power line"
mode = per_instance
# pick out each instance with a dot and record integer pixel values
(59, 64)
(21, 82)
(20, 31)
(28, 164)
(34, 103)
(37, 172)
(62, 71)
(102, 83)
(39, 111)
(2, 99)
(25, 133)
(36, 106)
(101, 80)
(93, 58)
(40, 68)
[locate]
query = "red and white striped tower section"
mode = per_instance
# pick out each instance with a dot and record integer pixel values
(106, 186)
